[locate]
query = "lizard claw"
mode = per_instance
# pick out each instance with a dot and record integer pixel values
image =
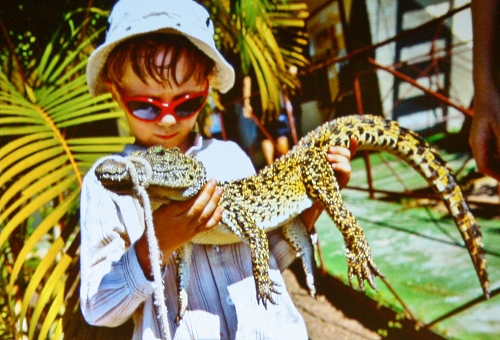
(265, 289)
(363, 268)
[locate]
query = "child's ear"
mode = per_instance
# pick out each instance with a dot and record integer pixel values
(111, 89)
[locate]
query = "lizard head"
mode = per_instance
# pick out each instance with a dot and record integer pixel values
(114, 175)
(174, 176)
(167, 174)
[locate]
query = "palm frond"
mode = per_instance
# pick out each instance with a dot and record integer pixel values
(42, 170)
(269, 37)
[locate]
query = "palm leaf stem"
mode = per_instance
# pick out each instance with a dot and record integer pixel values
(58, 135)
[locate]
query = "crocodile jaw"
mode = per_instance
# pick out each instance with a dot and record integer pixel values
(114, 176)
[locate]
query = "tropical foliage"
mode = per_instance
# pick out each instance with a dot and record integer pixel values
(48, 144)
(42, 168)
(268, 37)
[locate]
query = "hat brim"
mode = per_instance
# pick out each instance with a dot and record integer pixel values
(223, 76)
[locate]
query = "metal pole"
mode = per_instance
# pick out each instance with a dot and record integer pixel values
(366, 154)
(411, 81)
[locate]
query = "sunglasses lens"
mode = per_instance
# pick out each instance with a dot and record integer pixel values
(143, 110)
(189, 107)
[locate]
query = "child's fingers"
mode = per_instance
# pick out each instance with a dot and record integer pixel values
(194, 206)
(344, 168)
(214, 219)
(336, 158)
(202, 200)
(353, 146)
(339, 158)
(339, 152)
(210, 215)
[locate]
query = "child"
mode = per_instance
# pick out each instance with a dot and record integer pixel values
(158, 61)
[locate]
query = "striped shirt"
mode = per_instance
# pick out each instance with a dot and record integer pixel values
(221, 291)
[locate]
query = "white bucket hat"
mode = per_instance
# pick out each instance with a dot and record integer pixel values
(131, 18)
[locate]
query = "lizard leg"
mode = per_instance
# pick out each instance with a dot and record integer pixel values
(296, 234)
(183, 261)
(256, 238)
(322, 185)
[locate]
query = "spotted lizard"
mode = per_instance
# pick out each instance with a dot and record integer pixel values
(270, 199)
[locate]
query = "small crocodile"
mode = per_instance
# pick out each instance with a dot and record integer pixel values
(282, 190)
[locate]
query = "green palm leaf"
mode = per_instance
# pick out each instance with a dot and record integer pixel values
(40, 181)
(255, 31)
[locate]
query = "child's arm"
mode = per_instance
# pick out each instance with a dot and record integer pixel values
(116, 275)
(113, 285)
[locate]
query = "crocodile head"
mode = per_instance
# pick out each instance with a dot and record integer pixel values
(174, 175)
(167, 174)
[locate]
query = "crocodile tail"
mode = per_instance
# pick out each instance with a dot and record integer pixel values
(376, 133)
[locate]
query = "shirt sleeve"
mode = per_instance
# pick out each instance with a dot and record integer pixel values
(113, 284)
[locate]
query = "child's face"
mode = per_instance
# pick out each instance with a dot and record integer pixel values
(169, 131)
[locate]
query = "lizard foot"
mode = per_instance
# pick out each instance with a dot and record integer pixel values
(265, 288)
(363, 267)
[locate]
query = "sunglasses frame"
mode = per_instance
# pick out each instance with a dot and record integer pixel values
(167, 108)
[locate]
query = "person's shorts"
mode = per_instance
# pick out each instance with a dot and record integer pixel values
(278, 128)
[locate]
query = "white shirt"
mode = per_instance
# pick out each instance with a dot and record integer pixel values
(221, 292)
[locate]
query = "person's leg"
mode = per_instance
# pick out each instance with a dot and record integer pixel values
(282, 145)
(268, 150)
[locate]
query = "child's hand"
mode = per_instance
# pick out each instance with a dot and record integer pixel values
(178, 222)
(340, 157)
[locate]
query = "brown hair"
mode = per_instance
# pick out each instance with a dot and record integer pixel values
(143, 50)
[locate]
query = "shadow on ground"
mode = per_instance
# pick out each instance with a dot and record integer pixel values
(344, 313)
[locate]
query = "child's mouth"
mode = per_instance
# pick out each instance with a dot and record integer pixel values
(166, 137)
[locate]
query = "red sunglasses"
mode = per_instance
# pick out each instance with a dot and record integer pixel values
(153, 110)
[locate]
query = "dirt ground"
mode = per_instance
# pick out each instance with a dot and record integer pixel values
(323, 320)
(342, 313)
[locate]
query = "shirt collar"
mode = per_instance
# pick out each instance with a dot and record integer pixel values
(197, 145)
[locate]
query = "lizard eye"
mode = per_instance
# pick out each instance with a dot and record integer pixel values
(158, 150)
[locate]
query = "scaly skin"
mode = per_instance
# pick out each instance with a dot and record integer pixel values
(281, 191)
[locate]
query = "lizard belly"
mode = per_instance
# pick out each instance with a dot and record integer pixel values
(270, 217)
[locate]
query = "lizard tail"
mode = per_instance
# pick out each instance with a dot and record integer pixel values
(377, 133)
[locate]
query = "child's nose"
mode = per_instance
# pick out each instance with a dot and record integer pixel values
(167, 120)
